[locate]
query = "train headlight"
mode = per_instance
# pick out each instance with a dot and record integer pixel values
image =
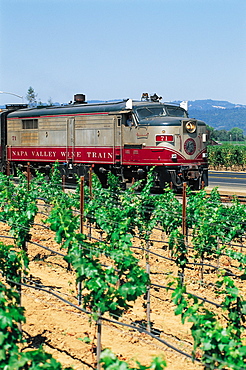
(190, 126)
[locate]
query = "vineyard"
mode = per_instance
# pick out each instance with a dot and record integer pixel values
(115, 279)
(227, 156)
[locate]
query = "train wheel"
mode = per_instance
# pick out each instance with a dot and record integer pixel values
(11, 170)
(205, 178)
(196, 184)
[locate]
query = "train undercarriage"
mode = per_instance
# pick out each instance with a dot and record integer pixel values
(195, 176)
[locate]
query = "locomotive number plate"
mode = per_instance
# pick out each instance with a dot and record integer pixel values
(164, 138)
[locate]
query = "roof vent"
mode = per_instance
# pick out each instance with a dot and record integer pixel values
(79, 99)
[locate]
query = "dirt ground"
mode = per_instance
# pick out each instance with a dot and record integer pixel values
(70, 336)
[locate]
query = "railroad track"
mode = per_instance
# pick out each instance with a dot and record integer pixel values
(226, 198)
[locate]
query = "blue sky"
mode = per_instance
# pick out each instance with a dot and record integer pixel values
(110, 49)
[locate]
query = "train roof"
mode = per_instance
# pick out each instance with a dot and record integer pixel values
(71, 109)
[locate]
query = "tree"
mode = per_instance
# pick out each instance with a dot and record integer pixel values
(210, 131)
(236, 134)
(31, 97)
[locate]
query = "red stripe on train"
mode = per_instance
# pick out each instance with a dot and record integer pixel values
(100, 155)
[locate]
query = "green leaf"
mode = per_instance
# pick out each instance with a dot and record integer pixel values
(85, 339)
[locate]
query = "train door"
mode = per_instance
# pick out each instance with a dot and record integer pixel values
(130, 141)
(117, 139)
(70, 139)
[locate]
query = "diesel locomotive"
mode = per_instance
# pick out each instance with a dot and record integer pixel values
(125, 137)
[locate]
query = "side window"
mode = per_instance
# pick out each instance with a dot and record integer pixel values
(30, 124)
(129, 121)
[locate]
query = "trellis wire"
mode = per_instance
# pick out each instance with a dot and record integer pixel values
(133, 327)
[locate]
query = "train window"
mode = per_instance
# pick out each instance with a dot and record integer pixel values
(148, 112)
(29, 124)
(176, 112)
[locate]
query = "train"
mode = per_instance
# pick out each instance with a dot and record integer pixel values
(126, 137)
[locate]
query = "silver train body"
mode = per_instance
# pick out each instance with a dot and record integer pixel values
(126, 138)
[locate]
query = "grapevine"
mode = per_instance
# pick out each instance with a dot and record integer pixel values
(221, 345)
(108, 269)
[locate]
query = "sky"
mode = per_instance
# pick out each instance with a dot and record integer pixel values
(118, 49)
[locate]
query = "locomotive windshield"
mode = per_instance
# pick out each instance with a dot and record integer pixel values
(168, 110)
(176, 111)
(148, 112)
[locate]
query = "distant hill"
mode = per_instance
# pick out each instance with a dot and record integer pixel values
(219, 114)
(222, 119)
(213, 104)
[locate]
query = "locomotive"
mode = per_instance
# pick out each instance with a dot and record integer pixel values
(125, 137)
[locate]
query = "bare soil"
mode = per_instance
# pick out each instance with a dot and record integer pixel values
(63, 330)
